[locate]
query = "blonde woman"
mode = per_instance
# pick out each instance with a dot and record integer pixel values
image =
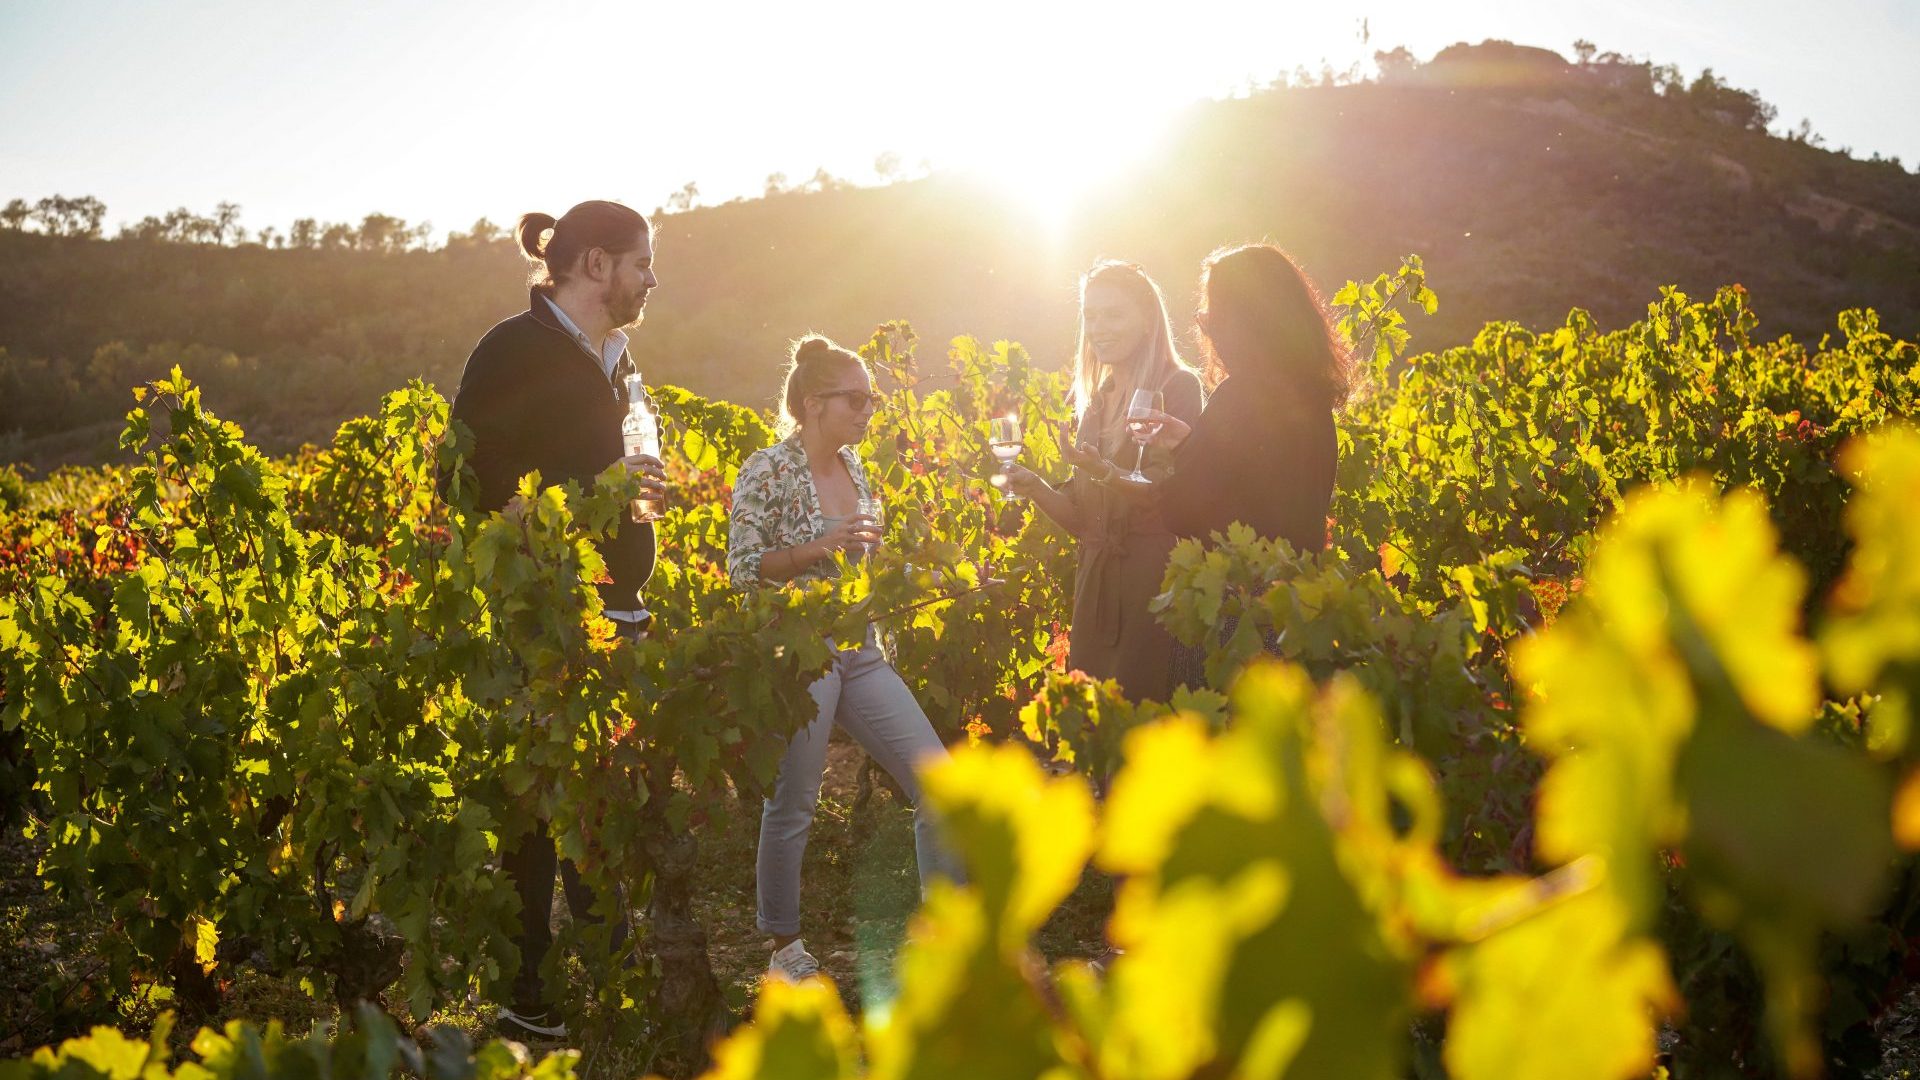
(795, 504)
(1125, 344)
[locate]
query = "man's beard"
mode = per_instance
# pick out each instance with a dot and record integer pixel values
(626, 311)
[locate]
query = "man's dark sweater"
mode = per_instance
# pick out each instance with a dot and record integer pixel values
(534, 399)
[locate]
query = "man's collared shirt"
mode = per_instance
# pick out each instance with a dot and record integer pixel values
(610, 350)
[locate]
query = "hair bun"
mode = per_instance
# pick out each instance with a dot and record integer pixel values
(529, 231)
(812, 347)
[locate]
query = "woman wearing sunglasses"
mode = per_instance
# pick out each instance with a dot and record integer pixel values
(795, 504)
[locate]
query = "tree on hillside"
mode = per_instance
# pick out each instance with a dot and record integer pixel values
(337, 236)
(777, 184)
(14, 215)
(1583, 51)
(58, 215)
(684, 199)
(226, 222)
(1804, 133)
(482, 233)
(823, 180)
(382, 232)
(1741, 108)
(147, 228)
(179, 226)
(1618, 71)
(1396, 64)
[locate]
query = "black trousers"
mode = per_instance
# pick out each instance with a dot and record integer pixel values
(532, 864)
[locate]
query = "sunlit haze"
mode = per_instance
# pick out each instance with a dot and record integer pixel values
(448, 111)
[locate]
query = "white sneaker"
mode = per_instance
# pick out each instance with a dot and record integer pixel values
(520, 1025)
(792, 963)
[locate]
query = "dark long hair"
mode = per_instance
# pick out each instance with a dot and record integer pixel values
(1263, 320)
(596, 223)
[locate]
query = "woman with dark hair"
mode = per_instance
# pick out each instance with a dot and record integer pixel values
(1264, 452)
(1125, 345)
(546, 390)
(795, 504)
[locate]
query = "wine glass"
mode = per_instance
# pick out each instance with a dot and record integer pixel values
(869, 506)
(1142, 428)
(1005, 441)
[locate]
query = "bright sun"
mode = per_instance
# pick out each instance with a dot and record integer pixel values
(1054, 155)
(1053, 104)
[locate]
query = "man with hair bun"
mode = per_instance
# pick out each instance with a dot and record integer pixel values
(546, 390)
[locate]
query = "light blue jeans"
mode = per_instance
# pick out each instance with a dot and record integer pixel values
(864, 695)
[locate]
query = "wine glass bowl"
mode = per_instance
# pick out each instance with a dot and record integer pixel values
(869, 507)
(1004, 439)
(1142, 427)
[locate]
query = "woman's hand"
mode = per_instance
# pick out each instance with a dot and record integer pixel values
(1084, 456)
(1087, 459)
(1024, 481)
(1173, 430)
(858, 533)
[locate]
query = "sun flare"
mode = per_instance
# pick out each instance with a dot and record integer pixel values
(1056, 158)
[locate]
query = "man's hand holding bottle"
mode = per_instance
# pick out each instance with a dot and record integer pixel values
(652, 474)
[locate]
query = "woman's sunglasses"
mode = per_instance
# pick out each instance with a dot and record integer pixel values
(856, 398)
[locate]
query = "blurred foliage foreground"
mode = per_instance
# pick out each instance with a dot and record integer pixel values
(1586, 752)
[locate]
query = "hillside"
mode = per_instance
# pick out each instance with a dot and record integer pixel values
(1529, 188)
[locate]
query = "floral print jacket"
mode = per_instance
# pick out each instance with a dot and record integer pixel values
(775, 506)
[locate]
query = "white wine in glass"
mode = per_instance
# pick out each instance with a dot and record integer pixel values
(869, 506)
(1005, 441)
(1143, 428)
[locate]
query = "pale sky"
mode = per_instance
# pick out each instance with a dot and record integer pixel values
(447, 110)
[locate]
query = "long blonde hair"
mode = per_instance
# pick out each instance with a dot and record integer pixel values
(1152, 365)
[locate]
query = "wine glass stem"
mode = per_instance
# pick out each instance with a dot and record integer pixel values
(1139, 458)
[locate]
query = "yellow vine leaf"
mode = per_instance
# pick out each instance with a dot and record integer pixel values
(1669, 702)
(967, 966)
(1568, 992)
(1906, 812)
(799, 1032)
(955, 983)
(1875, 609)
(1025, 837)
(1252, 910)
